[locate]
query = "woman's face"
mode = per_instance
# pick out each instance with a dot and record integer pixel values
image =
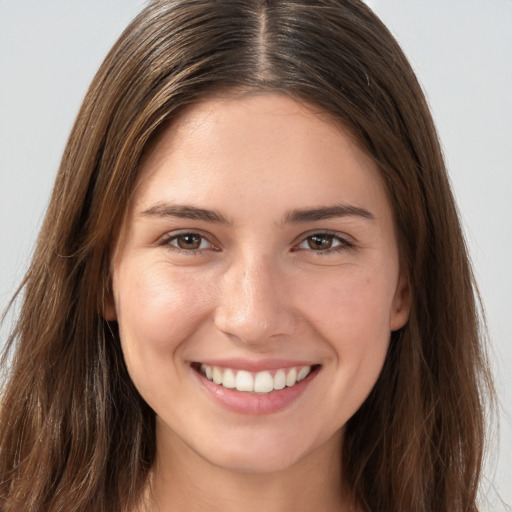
(259, 253)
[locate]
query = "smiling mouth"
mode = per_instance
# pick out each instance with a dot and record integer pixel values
(263, 382)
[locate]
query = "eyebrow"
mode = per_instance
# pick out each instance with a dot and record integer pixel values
(186, 212)
(292, 217)
(328, 212)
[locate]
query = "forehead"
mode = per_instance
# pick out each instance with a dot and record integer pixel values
(254, 142)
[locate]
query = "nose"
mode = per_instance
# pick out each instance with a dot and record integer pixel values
(253, 305)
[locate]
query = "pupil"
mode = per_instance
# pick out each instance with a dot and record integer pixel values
(320, 242)
(189, 241)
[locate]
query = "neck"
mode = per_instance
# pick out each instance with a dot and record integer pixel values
(183, 480)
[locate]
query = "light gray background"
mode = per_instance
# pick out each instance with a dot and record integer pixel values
(461, 50)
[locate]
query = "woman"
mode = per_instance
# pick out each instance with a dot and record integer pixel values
(251, 287)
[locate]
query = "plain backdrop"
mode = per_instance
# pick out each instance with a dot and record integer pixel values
(460, 49)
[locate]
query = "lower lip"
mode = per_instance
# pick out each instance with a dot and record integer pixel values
(254, 404)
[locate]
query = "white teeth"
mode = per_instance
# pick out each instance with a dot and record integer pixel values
(303, 373)
(291, 378)
(259, 382)
(207, 370)
(217, 375)
(263, 383)
(229, 380)
(244, 381)
(279, 379)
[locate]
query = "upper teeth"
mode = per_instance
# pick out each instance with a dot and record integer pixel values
(259, 382)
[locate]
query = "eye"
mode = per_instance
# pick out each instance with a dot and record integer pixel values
(320, 242)
(323, 242)
(188, 242)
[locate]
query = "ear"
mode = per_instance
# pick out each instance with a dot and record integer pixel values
(401, 307)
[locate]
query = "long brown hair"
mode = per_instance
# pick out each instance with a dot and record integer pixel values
(74, 433)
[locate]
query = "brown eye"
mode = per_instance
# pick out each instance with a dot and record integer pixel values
(324, 244)
(320, 242)
(189, 242)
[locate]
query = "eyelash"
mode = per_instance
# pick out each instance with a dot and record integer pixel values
(168, 241)
(343, 243)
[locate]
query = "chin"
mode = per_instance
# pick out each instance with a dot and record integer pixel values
(254, 462)
(263, 452)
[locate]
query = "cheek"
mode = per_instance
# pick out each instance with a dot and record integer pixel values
(356, 300)
(352, 315)
(158, 309)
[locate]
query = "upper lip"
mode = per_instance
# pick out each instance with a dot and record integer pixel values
(255, 366)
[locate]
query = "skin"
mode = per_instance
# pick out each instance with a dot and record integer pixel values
(257, 288)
